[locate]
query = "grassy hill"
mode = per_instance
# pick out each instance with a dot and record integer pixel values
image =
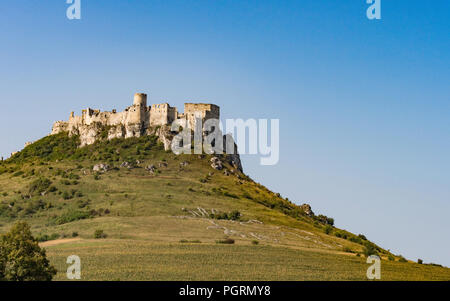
(181, 221)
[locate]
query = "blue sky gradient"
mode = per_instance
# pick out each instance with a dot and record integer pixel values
(363, 105)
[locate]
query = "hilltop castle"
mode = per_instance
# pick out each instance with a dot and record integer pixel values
(135, 121)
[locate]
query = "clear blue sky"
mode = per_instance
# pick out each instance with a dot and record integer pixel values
(363, 105)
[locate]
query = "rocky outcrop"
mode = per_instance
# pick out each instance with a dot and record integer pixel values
(116, 132)
(101, 167)
(151, 168)
(216, 163)
(307, 209)
(234, 159)
(88, 134)
(127, 165)
(165, 136)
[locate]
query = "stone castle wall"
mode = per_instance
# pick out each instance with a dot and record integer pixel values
(134, 121)
(203, 111)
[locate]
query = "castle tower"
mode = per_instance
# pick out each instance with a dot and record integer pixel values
(140, 99)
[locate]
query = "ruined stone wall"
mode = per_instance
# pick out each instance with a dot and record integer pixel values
(134, 121)
(59, 127)
(162, 114)
(203, 111)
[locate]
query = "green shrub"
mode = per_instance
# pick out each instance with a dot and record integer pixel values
(70, 216)
(227, 241)
(51, 147)
(348, 250)
(185, 241)
(230, 195)
(362, 237)
(46, 237)
(370, 249)
(233, 215)
(21, 258)
(38, 186)
(247, 195)
(355, 239)
(324, 219)
(328, 229)
(402, 259)
(340, 234)
(81, 204)
(66, 195)
(18, 173)
(255, 242)
(65, 182)
(419, 261)
(73, 176)
(99, 234)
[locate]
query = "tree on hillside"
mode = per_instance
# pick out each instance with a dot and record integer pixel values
(21, 258)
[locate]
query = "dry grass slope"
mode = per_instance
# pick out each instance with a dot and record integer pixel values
(144, 215)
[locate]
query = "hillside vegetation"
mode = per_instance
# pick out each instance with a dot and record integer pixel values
(148, 214)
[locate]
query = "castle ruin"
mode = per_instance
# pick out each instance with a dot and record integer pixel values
(135, 121)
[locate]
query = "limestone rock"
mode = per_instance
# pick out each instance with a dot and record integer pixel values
(101, 167)
(88, 134)
(165, 137)
(235, 161)
(151, 168)
(59, 127)
(307, 209)
(216, 163)
(133, 130)
(232, 158)
(116, 132)
(126, 164)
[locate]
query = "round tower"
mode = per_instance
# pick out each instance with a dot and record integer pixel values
(140, 99)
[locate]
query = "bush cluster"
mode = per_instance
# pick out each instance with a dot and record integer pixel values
(234, 215)
(226, 241)
(99, 234)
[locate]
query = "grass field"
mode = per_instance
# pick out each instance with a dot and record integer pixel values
(52, 186)
(143, 260)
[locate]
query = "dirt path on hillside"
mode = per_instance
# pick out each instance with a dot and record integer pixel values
(57, 242)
